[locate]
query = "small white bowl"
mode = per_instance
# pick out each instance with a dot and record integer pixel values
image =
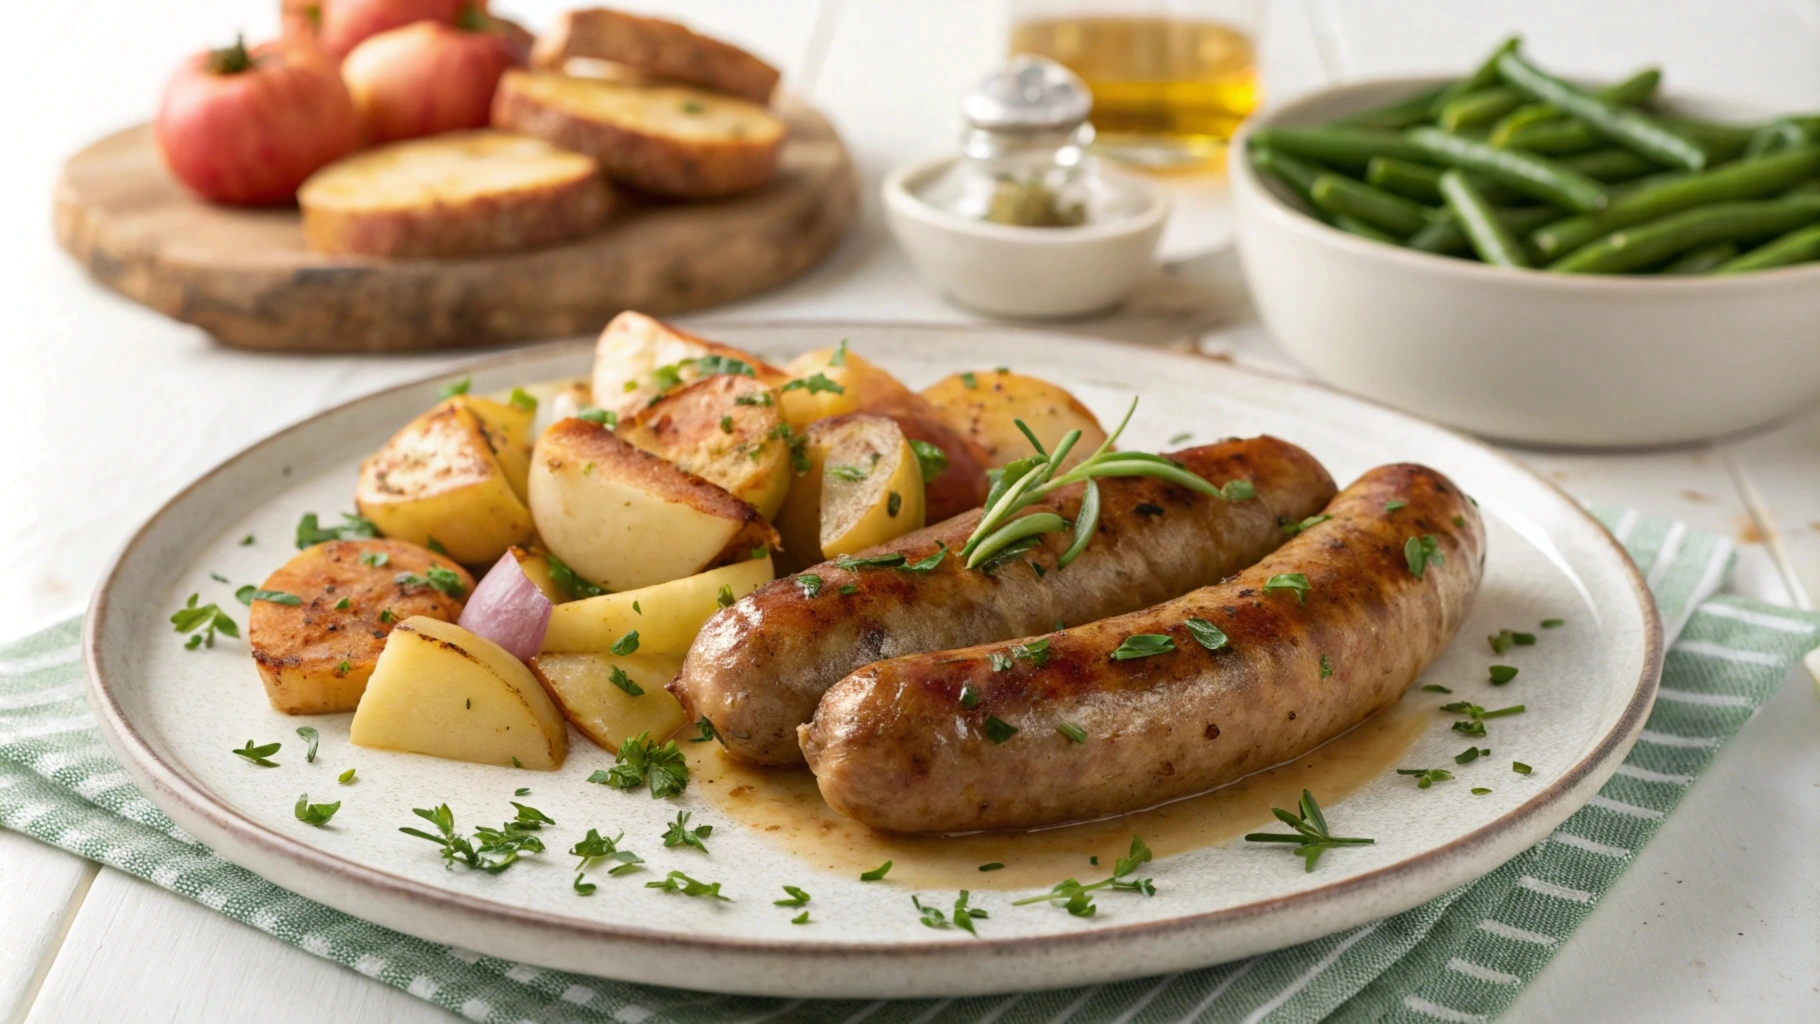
(1522, 355)
(1025, 273)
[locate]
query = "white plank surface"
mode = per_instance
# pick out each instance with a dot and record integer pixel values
(123, 407)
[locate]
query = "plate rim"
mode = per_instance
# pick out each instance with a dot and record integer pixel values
(226, 830)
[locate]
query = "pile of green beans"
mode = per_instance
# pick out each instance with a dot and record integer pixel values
(1516, 167)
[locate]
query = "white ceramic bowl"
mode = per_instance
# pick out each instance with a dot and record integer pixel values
(1522, 355)
(1025, 273)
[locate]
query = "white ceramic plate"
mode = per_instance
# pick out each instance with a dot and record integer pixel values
(172, 716)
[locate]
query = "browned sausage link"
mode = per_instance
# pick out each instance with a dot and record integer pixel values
(894, 746)
(759, 668)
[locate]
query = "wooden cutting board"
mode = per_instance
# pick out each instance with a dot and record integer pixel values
(245, 277)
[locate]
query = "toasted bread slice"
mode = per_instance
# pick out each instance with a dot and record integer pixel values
(666, 140)
(656, 47)
(457, 194)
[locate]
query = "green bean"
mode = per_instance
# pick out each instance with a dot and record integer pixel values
(1527, 173)
(1446, 237)
(1494, 242)
(1347, 148)
(1801, 246)
(1297, 176)
(1355, 226)
(1703, 259)
(1610, 164)
(1656, 241)
(1780, 134)
(1403, 113)
(1344, 196)
(1721, 142)
(1633, 91)
(1626, 127)
(1746, 180)
(1556, 137)
(1422, 182)
(1477, 108)
(1486, 74)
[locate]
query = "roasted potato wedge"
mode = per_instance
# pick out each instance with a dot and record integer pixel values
(314, 656)
(623, 518)
(441, 690)
(639, 357)
(864, 487)
(609, 697)
(666, 616)
(725, 429)
(986, 406)
(859, 385)
(442, 477)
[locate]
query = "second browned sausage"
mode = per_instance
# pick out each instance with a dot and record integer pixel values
(758, 668)
(1310, 641)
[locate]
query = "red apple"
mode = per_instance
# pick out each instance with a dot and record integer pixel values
(428, 77)
(345, 24)
(246, 127)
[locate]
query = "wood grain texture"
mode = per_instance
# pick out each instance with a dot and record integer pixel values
(43, 888)
(246, 278)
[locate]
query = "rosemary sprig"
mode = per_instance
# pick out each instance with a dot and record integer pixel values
(1028, 480)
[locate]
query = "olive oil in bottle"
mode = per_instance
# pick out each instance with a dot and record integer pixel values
(1167, 92)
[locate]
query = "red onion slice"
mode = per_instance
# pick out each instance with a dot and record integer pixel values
(508, 609)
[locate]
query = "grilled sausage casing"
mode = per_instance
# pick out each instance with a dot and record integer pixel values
(759, 668)
(893, 746)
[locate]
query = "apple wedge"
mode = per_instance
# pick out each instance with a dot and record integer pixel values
(666, 616)
(864, 487)
(623, 518)
(441, 690)
(610, 697)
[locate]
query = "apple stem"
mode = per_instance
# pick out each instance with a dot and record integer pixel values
(231, 60)
(472, 19)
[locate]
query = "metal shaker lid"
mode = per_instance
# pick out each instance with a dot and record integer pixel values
(1031, 94)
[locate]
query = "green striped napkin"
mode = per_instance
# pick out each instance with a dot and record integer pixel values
(1462, 957)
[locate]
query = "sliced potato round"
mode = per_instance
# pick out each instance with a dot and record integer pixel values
(986, 406)
(638, 358)
(442, 477)
(623, 518)
(611, 697)
(864, 487)
(725, 429)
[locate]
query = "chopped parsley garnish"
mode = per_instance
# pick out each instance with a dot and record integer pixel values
(839, 358)
(375, 559)
(1435, 688)
(797, 897)
(342, 605)
(763, 398)
(802, 918)
(1479, 791)
(970, 380)
(617, 676)
(1074, 732)
(676, 881)
(1206, 633)
(595, 414)
(1501, 674)
(642, 761)
(1422, 552)
(435, 577)
(1036, 652)
(1291, 529)
(999, 731)
(1553, 623)
(1520, 768)
(876, 873)
(246, 541)
(1393, 505)
(1238, 490)
(1505, 639)
(1179, 438)
(725, 597)
(344, 668)
(1476, 716)
(1426, 777)
(1326, 667)
(387, 616)
(1143, 645)
(843, 471)
(314, 814)
(848, 588)
(930, 459)
(627, 644)
(970, 695)
(851, 564)
(1311, 837)
(346, 778)
(964, 915)
(310, 532)
(726, 424)
(1077, 898)
(798, 445)
(202, 623)
(218, 578)
(927, 564)
(1471, 754)
(248, 594)
(894, 503)
(692, 107)
(1000, 660)
(1291, 581)
(810, 584)
(312, 738)
(521, 400)
(260, 755)
(492, 849)
(680, 834)
(522, 791)
(814, 384)
(994, 866)
(704, 731)
(435, 546)
(570, 582)
(454, 387)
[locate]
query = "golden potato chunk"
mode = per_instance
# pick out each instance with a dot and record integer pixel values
(666, 616)
(623, 518)
(609, 697)
(638, 358)
(986, 406)
(315, 656)
(441, 690)
(725, 429)
(863, 487)
(441, 478)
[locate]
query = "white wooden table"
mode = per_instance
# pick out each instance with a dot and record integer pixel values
(110, 409)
